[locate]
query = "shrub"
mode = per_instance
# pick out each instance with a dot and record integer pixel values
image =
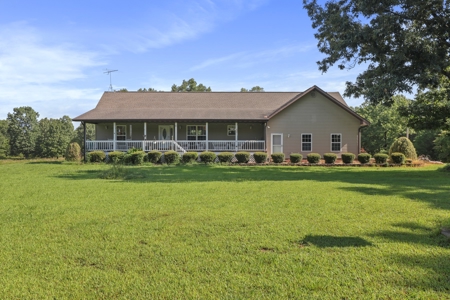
(277, 157)
(242, 157)
(136, 157)
(442, 145)
(154, 156)
(403, 145)
(445, 168)
(189, 157)
(207, 157)
(171, 157)
(260, 157)
(330, 158)
(348, 158)
(313, 158)
(115, 156)
(97, 156)
(398, 158)
(364, 158)
(225, 157)
(73, 152)
(295, 158)
(381, 158)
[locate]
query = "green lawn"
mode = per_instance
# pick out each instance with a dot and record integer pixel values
(223, 232)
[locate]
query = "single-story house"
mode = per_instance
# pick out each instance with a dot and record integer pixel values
(288, 122)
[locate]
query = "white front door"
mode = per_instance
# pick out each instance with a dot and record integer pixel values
(277, 143)
(165, 132)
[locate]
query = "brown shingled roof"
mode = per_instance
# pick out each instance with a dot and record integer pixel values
(170, 106)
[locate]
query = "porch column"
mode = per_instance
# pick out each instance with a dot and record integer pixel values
(236, 135)
(114, 136)
(176, 131)
(84, 129)
(207, 137)
(145, 136)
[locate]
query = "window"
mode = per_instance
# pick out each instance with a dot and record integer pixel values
(306, 142)
(196, 132)
(231, 130)
(336, 140)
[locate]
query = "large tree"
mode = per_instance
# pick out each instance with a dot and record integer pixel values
(4, 142)
(23, 130)
(386, 124)
(190, 86)
(79, 134)
(401, 43)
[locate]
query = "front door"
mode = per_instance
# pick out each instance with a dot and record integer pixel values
(166, 132)
(277, 143)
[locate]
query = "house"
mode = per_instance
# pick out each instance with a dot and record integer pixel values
(288, 122)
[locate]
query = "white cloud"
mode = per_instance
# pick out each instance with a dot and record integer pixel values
(33, 72)
(248, 59)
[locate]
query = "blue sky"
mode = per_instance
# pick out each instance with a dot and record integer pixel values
(53, 53)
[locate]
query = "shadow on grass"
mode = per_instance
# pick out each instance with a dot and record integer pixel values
(425, 185)
(50, 162)
(324, 241)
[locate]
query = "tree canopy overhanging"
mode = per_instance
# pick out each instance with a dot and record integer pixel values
(403, 43)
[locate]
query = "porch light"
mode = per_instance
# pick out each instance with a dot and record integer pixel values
(106, 126)
(251, 127)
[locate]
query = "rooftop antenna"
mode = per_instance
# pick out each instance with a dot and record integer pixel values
(109, 72)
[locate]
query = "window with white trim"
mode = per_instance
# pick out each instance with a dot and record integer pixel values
(231, 130)
(336, 142)
(196, 132)
(306, 142)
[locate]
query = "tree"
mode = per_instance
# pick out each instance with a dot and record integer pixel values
(431, 108)
(23, 130)
(386, 124)
(190, 86)
(149, 90)
(253, 89)
(404, 43)
(405, 146)
(424, 143)
(123, 90)
(54, 136)
(442, 145)
(4, 142)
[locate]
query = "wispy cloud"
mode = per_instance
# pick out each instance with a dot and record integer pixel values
(32, 70)
(248, 59)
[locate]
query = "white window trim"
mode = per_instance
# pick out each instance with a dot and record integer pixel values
(271, 142)
(228, 126)
(301, 139)
(196, 130)
(331, 142)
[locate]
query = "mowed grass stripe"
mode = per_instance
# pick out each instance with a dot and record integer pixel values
(222, 232)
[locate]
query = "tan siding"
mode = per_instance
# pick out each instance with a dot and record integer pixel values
(318, 116)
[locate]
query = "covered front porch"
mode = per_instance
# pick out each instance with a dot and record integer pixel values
(179, 136)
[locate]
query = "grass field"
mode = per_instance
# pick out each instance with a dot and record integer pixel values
(223, 232)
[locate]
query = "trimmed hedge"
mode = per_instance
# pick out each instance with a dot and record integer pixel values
(225, 157)
(242, 157)
(381, 158)
(295, 158)
(405, 146)
(398, 158)
(207, 157)
(136, 157)
(97, 156)
(171, 157)
(277, 158)
(364, 158)
(260, 157)
(154, 156)
(313, 158)
(348, 158)
(189, 157)
(73, 152)
(329, 158)
(115, 156)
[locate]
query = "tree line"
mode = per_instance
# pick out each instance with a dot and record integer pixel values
(23, 135)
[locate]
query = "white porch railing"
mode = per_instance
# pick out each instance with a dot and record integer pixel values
(179, 146)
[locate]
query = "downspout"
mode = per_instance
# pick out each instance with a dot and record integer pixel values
(84, 129)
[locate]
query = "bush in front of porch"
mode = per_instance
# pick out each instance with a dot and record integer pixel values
(207, 157)
(189, 157)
